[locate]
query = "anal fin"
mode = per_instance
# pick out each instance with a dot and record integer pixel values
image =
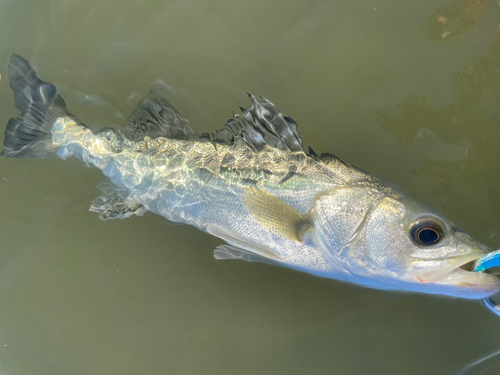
(115, 203)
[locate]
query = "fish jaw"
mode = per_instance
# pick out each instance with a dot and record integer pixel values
(479, 280)
(457, 280)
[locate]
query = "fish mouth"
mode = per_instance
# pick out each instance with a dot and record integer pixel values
(464, 275)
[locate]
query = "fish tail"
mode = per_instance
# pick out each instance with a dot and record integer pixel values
(30, 134)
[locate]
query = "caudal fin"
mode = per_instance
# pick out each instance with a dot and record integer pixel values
(29, 135)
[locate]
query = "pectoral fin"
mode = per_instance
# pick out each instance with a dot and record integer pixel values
(275, 215)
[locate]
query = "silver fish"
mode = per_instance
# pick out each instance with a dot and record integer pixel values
(253, 185)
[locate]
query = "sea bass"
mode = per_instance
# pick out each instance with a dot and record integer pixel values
(253, 185)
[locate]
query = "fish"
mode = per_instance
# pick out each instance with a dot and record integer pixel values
(255, 186)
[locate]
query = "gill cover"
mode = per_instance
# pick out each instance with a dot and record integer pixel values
(344, 229)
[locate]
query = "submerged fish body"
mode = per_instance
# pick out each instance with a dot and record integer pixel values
(252, 185)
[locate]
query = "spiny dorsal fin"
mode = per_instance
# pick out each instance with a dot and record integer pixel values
(262, 124)
(155, 117)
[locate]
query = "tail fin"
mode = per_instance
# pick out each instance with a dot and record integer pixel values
(30, 136)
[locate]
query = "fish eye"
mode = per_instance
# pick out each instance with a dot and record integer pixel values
(427, 232)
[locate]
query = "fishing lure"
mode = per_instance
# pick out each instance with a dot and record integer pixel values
(486, 262)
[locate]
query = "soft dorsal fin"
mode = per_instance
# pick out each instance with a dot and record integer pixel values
(262, 124)
(155, 117)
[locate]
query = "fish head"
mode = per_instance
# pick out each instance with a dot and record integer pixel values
(378, 236)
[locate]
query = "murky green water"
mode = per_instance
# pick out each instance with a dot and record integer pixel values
(373, 82)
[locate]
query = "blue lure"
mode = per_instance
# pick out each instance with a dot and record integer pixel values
(486, 262)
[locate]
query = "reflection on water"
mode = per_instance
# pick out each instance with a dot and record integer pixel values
(451, 21)
(480, 365)
(407, 90)
(484, 360)
(472, 121)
